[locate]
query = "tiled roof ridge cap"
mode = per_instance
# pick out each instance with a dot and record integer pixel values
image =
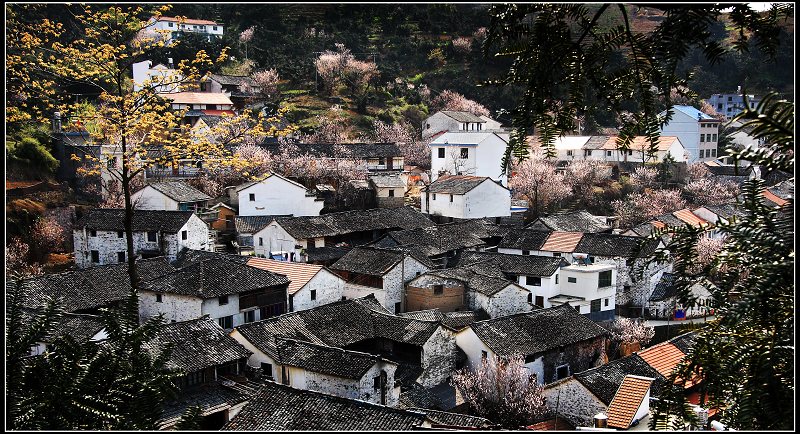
(377, 357)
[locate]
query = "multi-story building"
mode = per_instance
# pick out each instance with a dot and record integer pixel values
(176, 27)
(697, 132)
(731, 104)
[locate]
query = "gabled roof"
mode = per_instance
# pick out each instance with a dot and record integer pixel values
(575, 221)
(324, 359)
(613, 245)
(536, 332)
(106, 219)
(462, 116)
(687, 216)
(456, 184)
(684, 342)
(436, 240)
(329, 150)
(627, 401)
(246, 185)
(564, 242)
(604, 381)
(773, 198)
(639, 143)
(215, 277)
(452, 320)
(80, 327)
(282, 408)
(670, 220)
(374, 261)
(726, 211)
(473, 279)
(197, 98)
(298, 273)
(92, 287)
(528, 265)
(189, 256)
(346, 222)
(524, 239)
(210, 397)
(464, 138)
(387, 181)
(444, 419)
(180, 191)
(252, 224)
(663, 357)
(326, 254)
(692, 113)
(197, 344)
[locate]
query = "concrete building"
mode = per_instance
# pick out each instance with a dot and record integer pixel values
(697, 132)
(176, 27)
(731, 104)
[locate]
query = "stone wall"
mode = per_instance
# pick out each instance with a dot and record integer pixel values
(510, 300)
(394, 281)
(438, 358)
(579, 356)
(328, 286)
(420, 294)
(175, 307)
(571, 400)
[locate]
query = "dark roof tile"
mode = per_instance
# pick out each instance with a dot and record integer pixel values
(529, 265)
(180, 191)
(576, 221)
(374, 261)
(604, 380)
(197, 344)
(614, 245)
(325, 359)
(348, 222)
(456, 184)
(143, 220)
(524, 239)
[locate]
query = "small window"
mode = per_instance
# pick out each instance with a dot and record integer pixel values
(526, 252)
(630, 152)
(252, 197)
(588, 152)
(215, 27)
(152, 236)
(702, 138)
(266, 369)
(539, 301)
(313, 294)
(438, 289)
(556, 254)
(159, 298)
(562, 372)
(484, 355)
(594, 306)
(464, 152)
(556, 279)
(344, 298)
(260, 241)
(93, 233)
(713, 152)
(226, 322)
(572, 280)
(533, 280)
(530, 298)
(391, 193)
(120, 234)
(95, 256)
(569, 153)
(170, 25)
(120, 257)
(604, 279)
(223, 300)
(441, 152)
(577, 307)
(250, 316)
(606, 302)
(184, 235)
(398, 307)
(451, 198)
(434, 196)
(730, 98)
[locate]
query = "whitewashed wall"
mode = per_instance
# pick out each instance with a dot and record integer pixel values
(329, 287)
(152, 199)
(278, 196)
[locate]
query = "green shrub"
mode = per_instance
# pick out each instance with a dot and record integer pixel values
(30, 151)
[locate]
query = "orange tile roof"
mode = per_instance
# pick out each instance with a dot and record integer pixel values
(188, 21)
(687, 216)
(694, 398)
(773, 198)
(299, 273)
(664, 358)
(197, 98)
(627, 401)
(640, 142)
(562, 241)
(658, 224)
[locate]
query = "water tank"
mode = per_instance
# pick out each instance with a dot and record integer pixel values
(600, 420)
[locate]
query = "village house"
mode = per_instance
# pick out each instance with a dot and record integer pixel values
(731, 104)
(224, 216)
(299, 235)
(275, 195)
(573, 221)
(665, 300)
(213, 364)
(170, 196)
(99, 236)
(81, 328)
(389, 190)
(466, 197)
(89, 289)
(227, 290)
(640, 148)
(241, 89)
(631, 403)
(458, 289)
(250, 237)
(697, 132)
(377, 156)
(424, 350)
(554, 342)
(309, 285)
(380, 272)
(441, 243)
(199, 104)
(523, 241)
(468, 153)
(716, 214)
(177, 27)
(448, 120)
(283, 408)
(161, 78)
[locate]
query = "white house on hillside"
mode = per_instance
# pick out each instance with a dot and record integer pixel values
(176, 27)
(447, 120)
(466, 197)
(731, 104)
(640, 149)
(170, 196)
(159, 75)
(473, 153)
(697, 131)
(276, 195)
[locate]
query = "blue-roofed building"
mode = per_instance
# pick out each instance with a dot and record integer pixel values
(697, 131)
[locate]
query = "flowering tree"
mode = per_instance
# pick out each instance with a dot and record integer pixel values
(449, 100)
(639, 207)
(583, 175)
(267, 81)
(331, 128)
(47, 236)
(707, 250)
(415, 152)
(503, 391)
(208, 184)
(697, 171)
(245, 37)
(708, 191)
(631, 331)
(480, 35)
(462, 45)
(538, 180)
(18, 262)
(644, 177)
(341, 67)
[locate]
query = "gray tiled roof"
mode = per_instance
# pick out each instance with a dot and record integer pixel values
(387, 181)
(455, 184)
(439, 239)
(726, 211)
(670, 220)
(452, 320)
(463, 116)
(536, 332)
(79, 327)
(328, 150)
(373, 261)
(197, 344)
(453, 420)
(613, 245)
(595, 142)
(529, 265)
(210, 397)
(282, 408)
(143, 220)
(188, 257)
(235, 80)
(324, 254)
(337, 324)
(325, 359)
(251, 224)
(684, 342)
(474, 280)
(90, 288)
(604, 381)
(665, 288)
(180, 191)
(576, 221)
(524, 239)
(348, 222)
(213, 277)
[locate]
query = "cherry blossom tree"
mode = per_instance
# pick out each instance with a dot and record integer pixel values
(415, 152)
(449, 100)
(697, 171)
(267, 81)
(462, 45)
(707, 250)
(18, 262)
(537, 179)
(341, 67)
(332, 128)
(709, 191)
(583, 175)
(502, 390)
(480, 35)
(207, 184)
(245, 37)
(630, 332)
(640, 207)
(644, 177)
(47, 236)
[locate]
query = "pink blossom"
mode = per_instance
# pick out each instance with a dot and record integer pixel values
(628, 331)
(537, 179)
(640, 207)
(462, 45)
(449, 100)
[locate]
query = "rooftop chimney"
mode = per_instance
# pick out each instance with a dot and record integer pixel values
(600, 420)
(56, 122)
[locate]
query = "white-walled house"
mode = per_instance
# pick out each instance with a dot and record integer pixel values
(228, 291)
(161, 77)
(731, 104)
(554, 342)
(310, 285)
(468, 153)
(99, 236)
(640, 147)
(447, 120)
(382, 273)
(277, 195)
(170, 196)
(211, 29)
(466, 197)
(697, 131)
(199, 102)
(589, 288)
(390, 190)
